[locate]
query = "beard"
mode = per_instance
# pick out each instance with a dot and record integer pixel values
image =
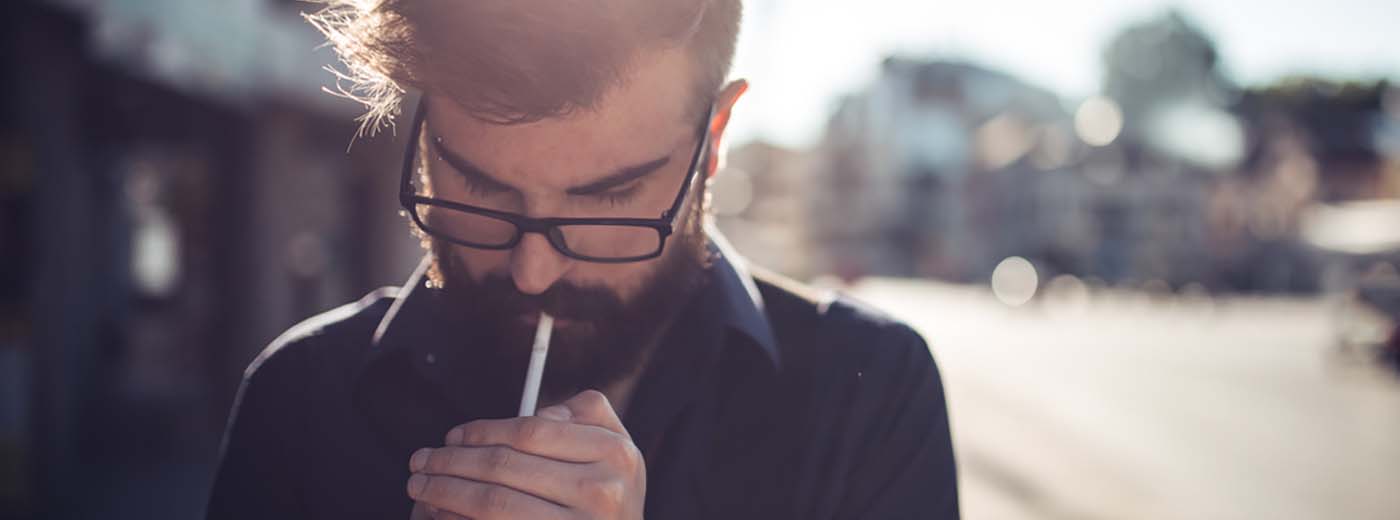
(607, 339)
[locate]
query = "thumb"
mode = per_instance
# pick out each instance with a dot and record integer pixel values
(589, 407)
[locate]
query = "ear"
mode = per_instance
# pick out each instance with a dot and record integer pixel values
(724, 107)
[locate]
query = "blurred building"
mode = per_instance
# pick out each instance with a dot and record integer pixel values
(1324, 172)
(1172, 177)
(177, 192)
(758, 201)
(913, 170)
(943, 169)
(1312, 143)
(1177, 141)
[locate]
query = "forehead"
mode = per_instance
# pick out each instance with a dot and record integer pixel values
(648, 114)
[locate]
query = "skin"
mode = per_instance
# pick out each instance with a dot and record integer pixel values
(574, 459)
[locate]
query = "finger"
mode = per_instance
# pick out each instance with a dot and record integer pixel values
(591, 407)
(549, 479)
(479, 500)
(421, 512)
(439, 514)
(562, 441)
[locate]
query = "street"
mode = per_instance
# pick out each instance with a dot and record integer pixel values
(1125, 406)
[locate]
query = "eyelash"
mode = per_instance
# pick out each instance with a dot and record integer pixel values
(476, 188)
(619, 197)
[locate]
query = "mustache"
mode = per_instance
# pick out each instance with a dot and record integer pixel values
(562, 300)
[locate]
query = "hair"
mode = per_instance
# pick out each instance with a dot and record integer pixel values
(515, 61)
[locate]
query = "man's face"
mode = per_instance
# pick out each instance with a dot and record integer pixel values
(626, 158)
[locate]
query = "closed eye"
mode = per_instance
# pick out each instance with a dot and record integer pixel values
(473, 179)
(481, 187)
(619, 196)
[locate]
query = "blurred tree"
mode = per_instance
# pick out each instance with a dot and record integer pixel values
(1162, 62)
(1339, 122)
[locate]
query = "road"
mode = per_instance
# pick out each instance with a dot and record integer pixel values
(1125, 406)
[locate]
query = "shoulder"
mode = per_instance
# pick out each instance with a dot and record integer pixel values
(330, 338)
(849, 366)
(827, 327)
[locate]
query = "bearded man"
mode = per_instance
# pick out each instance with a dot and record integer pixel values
(558, 163)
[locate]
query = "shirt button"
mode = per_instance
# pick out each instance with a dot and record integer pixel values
(430, 359)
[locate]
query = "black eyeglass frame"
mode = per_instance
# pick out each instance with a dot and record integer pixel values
(549, 227)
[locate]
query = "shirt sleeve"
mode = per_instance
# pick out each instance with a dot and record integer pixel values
(257, 475)
(903, 466)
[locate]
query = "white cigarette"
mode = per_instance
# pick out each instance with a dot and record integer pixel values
(538, 352)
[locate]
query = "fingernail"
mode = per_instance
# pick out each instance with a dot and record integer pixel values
(557, 412)
(454, 436)
(416, 483)
(420, 459)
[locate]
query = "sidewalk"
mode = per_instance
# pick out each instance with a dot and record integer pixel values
(1142, 408)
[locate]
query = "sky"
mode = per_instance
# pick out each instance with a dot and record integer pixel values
(800, 56)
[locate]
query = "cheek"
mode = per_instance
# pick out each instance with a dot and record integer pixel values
(480, 262)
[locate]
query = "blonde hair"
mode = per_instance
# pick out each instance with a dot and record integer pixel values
(513, 61)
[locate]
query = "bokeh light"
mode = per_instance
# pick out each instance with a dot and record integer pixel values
(1098, 121)
(1014, 281)
(731, 192)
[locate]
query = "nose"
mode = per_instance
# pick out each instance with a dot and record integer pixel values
(535, 265)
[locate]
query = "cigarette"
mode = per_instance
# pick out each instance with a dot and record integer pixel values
(538, 352)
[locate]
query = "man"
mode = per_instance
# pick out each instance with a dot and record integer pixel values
(558, 163)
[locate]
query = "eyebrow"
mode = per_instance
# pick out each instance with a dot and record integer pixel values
(466, 168)
(617, 178)
(622, 176)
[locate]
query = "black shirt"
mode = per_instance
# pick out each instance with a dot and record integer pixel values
(765, 400)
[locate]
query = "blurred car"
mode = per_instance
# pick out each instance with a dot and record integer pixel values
(1383, 295)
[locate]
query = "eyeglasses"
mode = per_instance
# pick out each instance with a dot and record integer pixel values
(603, 240)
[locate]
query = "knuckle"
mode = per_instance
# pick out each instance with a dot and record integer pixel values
(445, 458)
(432, 489)
(592, 399)
(473, 434)
(633, 459)
(498, 460)
(602, 494)
(495, 500)
(530, 432)
(625, 455)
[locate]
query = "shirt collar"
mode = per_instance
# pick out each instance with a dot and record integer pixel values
(741, 303)
(406, 319)
(740, 309)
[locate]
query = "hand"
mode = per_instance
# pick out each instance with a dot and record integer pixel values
(573, 460)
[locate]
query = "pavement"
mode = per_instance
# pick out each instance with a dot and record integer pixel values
(1117, 405)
